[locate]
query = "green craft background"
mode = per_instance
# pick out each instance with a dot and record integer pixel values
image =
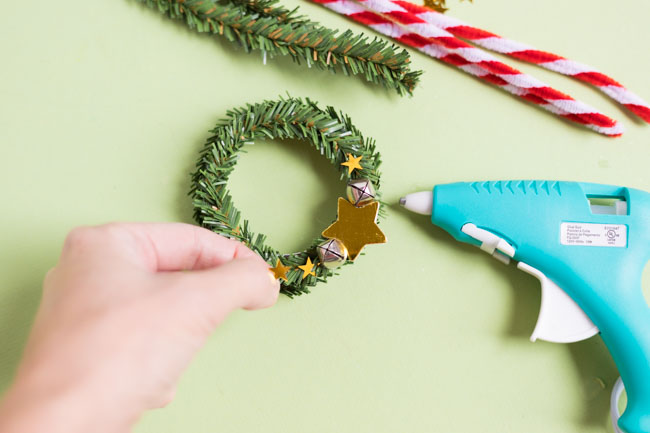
(104, 106)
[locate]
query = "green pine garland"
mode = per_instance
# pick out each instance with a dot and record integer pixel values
(332, 134)
(264, 26)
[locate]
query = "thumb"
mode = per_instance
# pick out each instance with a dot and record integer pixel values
(244, 282)
(248, 281)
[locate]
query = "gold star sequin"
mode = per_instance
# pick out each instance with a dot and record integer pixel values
(280, 271)
(307, 269)
(356, 227)
(352, 163)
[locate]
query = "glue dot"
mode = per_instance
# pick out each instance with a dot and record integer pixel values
(593, 388)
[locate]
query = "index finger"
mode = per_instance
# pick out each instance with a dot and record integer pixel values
(178, 246)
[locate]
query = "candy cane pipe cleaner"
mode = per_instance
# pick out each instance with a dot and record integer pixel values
(475, 70)
(524, 52)
(614, 131)
(433, 34)
(557, 103)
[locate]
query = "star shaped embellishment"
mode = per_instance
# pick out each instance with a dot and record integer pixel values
(307, 269)
(352, 163)
(280, 271)
(356, 227)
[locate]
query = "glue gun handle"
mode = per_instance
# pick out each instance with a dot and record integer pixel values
(625, 329)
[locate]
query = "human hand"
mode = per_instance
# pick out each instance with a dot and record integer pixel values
(119, 322)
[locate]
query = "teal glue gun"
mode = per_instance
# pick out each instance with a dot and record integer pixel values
(587, 244)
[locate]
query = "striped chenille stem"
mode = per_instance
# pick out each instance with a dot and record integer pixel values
(484, 75)
(388, 19)
(467, 53)
(524, 52)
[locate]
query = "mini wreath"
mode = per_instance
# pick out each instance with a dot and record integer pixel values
(336, 138)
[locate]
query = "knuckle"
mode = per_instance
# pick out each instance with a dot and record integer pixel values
(110, 231)
(165, 399)
(81, 237)
(77, 237)
(49, 276)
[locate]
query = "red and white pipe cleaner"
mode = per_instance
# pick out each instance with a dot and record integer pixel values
(466, 56)
(391, 19)
(524, 52)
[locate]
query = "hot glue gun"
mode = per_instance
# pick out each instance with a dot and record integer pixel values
(587, 244)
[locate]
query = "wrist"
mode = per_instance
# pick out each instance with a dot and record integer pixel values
(31, 407)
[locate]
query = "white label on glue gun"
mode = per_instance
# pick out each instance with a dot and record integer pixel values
(594, 235)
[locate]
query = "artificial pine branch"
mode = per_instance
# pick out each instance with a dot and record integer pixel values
(276, 31)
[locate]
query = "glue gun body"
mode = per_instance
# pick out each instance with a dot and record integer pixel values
(588, 245)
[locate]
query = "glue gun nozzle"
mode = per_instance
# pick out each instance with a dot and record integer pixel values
(418, 202)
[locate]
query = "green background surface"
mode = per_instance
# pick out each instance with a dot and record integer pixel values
(104, 105)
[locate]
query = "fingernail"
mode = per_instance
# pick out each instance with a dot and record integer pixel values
(272, 277)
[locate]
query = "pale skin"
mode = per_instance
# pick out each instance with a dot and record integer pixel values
(122, 314)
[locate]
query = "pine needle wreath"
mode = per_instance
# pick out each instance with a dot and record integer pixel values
(331, 133)
(264, 26)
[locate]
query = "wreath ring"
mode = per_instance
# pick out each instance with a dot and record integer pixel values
(330, 132)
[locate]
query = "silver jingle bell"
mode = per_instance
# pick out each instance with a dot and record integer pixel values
(360, 191)
(332, 253)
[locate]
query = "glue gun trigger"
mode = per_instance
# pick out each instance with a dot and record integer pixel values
(492, 244)
(560, 319)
